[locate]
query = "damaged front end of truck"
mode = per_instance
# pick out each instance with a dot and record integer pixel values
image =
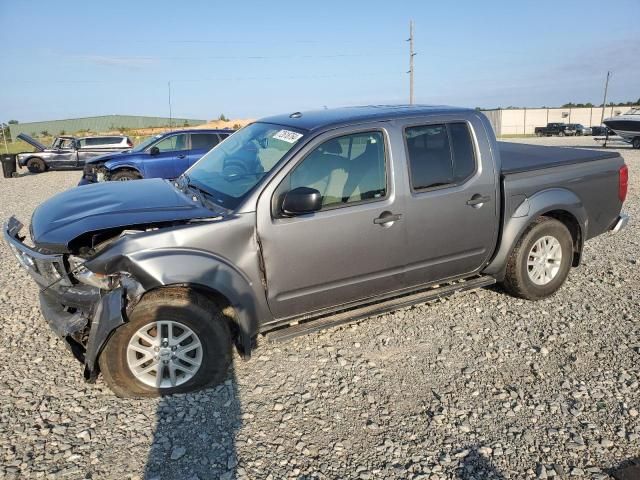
(83, 304)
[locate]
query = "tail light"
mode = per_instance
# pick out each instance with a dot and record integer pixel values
(129, 142)
(623, 182)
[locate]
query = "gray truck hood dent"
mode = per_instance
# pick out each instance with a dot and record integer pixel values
(102, 206)
(32, 141)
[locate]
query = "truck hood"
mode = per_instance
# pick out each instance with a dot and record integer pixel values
(91, 208)
(32, 141)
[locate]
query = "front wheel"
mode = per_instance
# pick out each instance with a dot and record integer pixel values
(540, 262)
(125, 176)
(176, 341)
(561, 134)
(636, 143)
(36, 165)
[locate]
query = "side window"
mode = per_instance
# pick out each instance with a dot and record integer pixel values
(439, 155)
(67, 144)
(172, 143)
(345, 170)
(464, 158)
(203, 141)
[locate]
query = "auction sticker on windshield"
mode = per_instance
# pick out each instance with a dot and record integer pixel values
(287, 136)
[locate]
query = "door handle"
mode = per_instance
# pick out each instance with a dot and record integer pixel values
(181, 156)
(478, 200)
(386, 218)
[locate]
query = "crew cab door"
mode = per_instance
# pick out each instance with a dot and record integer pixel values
(63, 153)
(352, 248)
(171, 155)
(452, 211)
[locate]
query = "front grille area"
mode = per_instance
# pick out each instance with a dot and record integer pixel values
(44, 268)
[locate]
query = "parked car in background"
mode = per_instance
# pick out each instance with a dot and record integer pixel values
(68, 152)
(303, 221)
(166, 155)
(577, 129)
(113, 142)
(602, 130)
(554, 128)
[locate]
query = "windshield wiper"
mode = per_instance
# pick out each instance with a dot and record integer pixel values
(199, 193)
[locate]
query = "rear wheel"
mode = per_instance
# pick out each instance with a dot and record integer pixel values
(175, 341)
(636, 142)
(125, 176)
(540, 262)
(36, 165)
(538, 134)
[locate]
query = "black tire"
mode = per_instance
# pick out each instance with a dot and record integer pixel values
(538, 134)
(185, 307)
(636, 143)
(517, 280)
(36, 165)
(125, 175)
(561, 134)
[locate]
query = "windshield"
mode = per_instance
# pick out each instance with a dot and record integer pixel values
(146, 143)
(236, 165)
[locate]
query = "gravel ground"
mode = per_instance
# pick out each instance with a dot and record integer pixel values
(480, 385)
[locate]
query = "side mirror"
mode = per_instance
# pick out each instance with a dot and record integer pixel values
(302, 200)
(154, 151)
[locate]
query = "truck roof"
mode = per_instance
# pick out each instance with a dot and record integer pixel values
(316, 119)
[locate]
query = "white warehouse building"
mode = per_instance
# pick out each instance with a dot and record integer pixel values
(523, 121)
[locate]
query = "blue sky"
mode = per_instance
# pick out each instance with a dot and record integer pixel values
(64, 59)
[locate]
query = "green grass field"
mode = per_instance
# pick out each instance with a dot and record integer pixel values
(17, 147)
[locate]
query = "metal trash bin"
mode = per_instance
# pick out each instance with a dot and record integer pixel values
(8, 165)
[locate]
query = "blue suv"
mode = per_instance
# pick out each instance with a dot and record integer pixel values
(162, 156)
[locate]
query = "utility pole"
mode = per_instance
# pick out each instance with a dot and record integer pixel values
(604, 102)
(170, 116)
(5, 138)
(411, 55)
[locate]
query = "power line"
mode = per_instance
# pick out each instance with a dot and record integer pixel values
(204, 79)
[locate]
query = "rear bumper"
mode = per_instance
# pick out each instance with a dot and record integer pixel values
(620, 223)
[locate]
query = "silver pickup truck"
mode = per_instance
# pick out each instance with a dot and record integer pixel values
(303, 221)
(67, 152)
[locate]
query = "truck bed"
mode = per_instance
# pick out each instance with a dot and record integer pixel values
(519, 157)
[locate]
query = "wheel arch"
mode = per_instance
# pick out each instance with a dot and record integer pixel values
(125, 167)
(210, 275)
(222, 301)
(558, 203)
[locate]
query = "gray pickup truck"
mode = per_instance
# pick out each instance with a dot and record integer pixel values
(303, 221)
(67, 152)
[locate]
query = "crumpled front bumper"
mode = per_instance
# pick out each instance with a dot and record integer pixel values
(82, 315)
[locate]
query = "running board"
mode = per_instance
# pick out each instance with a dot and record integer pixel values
(350, 316)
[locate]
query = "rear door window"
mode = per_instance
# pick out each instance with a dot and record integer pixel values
(204, 141)
(439, 155)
